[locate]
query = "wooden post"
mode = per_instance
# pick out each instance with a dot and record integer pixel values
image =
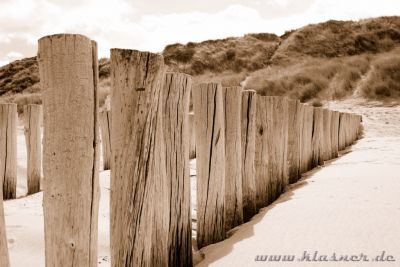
(326, 141)
(277, 146)
(342, 132)
(192, 137)
(33, 140)
(306, 138)
(105, 130)
(176, 94)
(210, 160)
(4, 259)
(248, 128)
(334, 134)
(137, 161)
(8, 150)
(263, 119)
(317, 138)
(295, 129)
(69, 77)
(232, 98)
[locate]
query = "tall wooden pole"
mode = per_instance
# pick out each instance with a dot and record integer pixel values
(8, 150)
(334, 133)
(248, 128)
(136, 161)
(210, 160)
(232, 98)
(326, 141)
(68, 77)
(33, 140)
(317, 138)
(176, 93)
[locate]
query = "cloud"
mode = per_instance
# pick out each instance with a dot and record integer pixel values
(151, 24)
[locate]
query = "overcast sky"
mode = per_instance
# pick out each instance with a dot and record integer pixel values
(151, 24)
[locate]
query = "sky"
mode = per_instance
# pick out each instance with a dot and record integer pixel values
(151, 24)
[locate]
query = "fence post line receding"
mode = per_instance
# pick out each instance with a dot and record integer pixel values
(232, 98)
(210, 161)
(33, 139)
(8, 150)
(176, 93)
(105, 130)
(68, 76)
(248, 136)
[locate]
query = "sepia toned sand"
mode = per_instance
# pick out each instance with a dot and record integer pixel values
(349, 206)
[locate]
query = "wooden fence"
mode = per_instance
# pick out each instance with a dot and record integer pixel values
(248, 148)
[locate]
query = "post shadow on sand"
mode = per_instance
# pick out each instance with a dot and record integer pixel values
(246, 230)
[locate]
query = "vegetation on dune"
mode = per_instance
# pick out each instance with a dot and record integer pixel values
(318, 62)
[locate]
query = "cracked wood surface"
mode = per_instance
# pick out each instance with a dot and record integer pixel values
(136, 82)
(306, 138)
(68, 75)
(33, 139)
(326, 140)
(210, 160)
(317, 137)
(8, 150)
(295, 127)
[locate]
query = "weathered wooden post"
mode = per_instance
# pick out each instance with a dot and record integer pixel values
(342, 131)
(69, 77)
(326, 140)
(334, 134)
(295, 124)
(137, 163)
(306, 138)
(105, 130)
(248, 128)
(4, 259)
(33, 140)
(192, 137)
(8, 150)
(317, 138)
(176, 94)
(263, 119)
(210, 160)
(232, 98)
(277, 146)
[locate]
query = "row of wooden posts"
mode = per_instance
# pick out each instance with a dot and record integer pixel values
(247, 147)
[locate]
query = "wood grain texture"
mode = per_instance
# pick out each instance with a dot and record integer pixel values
(248, 136)
(334, 134)
(68, 75)
(105, 130)
(176, 92)
(326, 140)
(33, 140)
(210, 160)
(138, 169)
(317, 137)
(232, 98)
(8, 150)
(262, 149)
(295, 128)
(4, 258)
